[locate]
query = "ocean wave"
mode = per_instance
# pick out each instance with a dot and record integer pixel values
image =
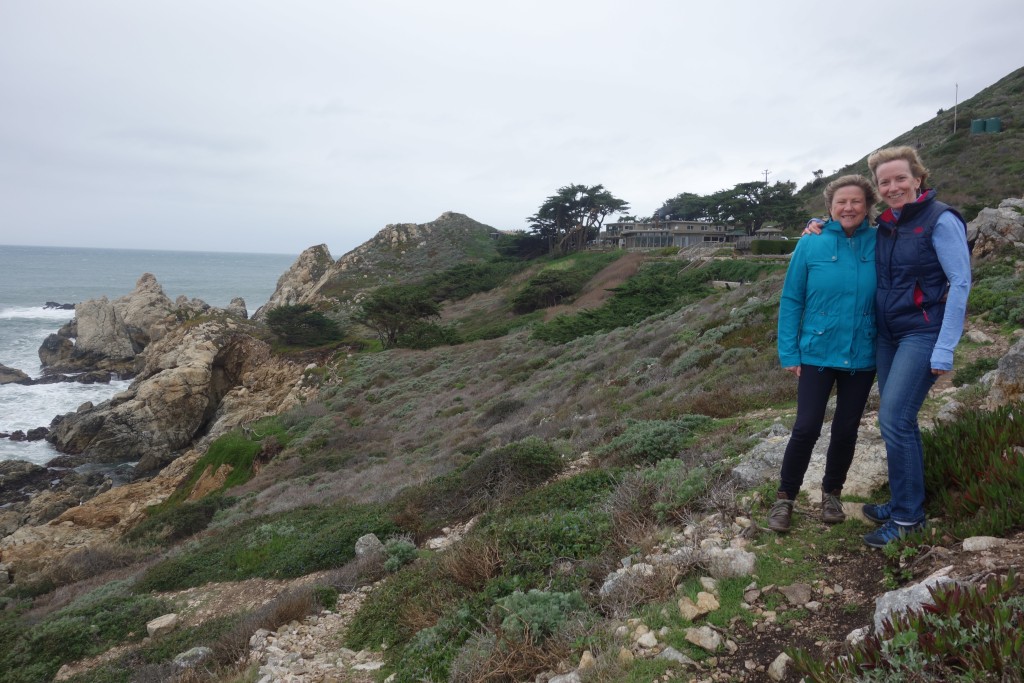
(35, 313)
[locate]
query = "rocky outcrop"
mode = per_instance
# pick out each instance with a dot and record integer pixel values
(1008, 380)
(299, 283)
(110, 334)
(401, 252)
(996, 228)
(12, 375)
(36, 545)
(196, 381)
(868, 471)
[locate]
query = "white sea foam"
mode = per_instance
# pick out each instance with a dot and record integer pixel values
(28, 407)
(35, 313)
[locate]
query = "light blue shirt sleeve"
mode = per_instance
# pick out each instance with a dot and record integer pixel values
(950, 241)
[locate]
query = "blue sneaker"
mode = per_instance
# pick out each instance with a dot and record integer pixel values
(879, 514)
(890, 531)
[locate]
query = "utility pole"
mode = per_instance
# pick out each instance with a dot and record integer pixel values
(956, 101)
(766, 172)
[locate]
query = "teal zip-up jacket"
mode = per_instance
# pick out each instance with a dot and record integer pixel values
(827, 311)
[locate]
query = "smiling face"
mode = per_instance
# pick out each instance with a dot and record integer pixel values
(849, 207)
(896, 183)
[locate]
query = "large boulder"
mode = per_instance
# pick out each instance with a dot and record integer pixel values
(204, 379)
(1008, 381)
(995, 228)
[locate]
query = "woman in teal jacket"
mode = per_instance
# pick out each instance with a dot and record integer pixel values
(826, 339)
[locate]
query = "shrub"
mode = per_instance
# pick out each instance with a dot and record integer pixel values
(36, 652)
(422, 334)
(88, 562)
(537, 614)
(765, 247)
(326, 597)
(974, 471)
(548, 288)
(491, 478)
(300, 325)
(648, 441)
(973, 371)
(657, 288)
(167, 525)
(537, 542)
(399, 552)
(406, 602)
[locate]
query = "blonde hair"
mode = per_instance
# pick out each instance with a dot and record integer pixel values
(870, 195)
(904, 153)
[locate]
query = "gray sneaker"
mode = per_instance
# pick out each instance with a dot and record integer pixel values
(781, 514)
(832, 507)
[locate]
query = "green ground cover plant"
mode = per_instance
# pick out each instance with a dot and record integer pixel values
(970, 633)
(974, 472)
(32, 653)
(284, 545)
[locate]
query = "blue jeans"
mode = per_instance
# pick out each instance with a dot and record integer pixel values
(904, 378)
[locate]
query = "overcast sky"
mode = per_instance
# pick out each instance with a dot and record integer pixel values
(251, 125)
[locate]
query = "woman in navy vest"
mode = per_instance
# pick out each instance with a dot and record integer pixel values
(924, 276)
(826, 338)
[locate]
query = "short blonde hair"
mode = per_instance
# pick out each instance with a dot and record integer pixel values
(905, 153)
(870, 196)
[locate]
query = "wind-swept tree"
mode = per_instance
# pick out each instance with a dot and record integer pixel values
(394, 310)
(686, 206)
(748, 205)
(568, 219)
(751, 205)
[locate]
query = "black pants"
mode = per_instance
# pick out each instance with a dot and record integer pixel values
(813, 389)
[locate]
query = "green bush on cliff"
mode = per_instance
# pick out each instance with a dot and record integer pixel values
(167, 525)
(237, 451)
(300, 325)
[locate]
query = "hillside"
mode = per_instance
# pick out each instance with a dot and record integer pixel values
(970, 171)
(568, 486)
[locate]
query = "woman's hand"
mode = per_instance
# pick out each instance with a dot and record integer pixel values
(795, 369)
(813, 227)
(936, 371)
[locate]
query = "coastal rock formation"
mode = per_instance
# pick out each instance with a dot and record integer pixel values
(298, 283)
(102, 519)
(196, 381)
(11, 375)
(401, 252)
(995, 228)
(109, 334)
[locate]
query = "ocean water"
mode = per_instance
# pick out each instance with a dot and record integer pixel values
(31, 276)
